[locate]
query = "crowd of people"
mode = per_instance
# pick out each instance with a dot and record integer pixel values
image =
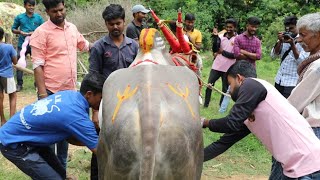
(287, 111)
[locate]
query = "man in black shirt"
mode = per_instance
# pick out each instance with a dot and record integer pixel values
(228, 139)
(134, 28)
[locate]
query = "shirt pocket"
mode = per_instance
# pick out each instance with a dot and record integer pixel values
(109, 63)
(128, 61)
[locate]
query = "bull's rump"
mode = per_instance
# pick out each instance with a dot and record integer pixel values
(151, 125)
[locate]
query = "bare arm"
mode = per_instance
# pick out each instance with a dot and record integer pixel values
(198, 45)
(72, 140)
(39, 78)
(14, 60)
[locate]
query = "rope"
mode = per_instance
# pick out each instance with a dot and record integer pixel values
(211, 87)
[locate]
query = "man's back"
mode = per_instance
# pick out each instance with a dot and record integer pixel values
(6, 53)
(48, 120)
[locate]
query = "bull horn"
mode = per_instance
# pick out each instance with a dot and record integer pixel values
(184, 45)
(172, 40)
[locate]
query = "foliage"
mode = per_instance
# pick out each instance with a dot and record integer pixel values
(210, 13)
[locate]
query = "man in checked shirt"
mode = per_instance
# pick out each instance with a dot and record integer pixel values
(291, 54)
(246, 45)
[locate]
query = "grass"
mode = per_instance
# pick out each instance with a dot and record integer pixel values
(247, 157)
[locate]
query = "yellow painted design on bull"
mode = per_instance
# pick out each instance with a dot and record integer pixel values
(122, 97)
(146, 39)
(184, 96)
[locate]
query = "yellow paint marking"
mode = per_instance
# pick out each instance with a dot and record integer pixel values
(184, 95)
(122, 97)
(146, 39)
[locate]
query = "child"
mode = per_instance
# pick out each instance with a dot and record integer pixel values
(7, 56)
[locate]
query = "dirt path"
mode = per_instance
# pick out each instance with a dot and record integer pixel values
(23, 99)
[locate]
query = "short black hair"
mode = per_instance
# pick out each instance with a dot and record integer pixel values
(189, 17)
(51, 3)
(231, 21)
(242, 67)
(1, 33)
(290, 20)
(253, 21)
(32, 2)
(92, 82)
(113, 11)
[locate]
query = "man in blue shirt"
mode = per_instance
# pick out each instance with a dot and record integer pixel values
(25, 138)
(7, 56)
(24, 25)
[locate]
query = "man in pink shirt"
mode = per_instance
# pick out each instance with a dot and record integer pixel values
(260, 109)
(54, 47)
(223, 58)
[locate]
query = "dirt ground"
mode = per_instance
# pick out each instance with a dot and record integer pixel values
(25, 98)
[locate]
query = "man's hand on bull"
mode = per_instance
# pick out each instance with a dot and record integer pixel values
(204, 122)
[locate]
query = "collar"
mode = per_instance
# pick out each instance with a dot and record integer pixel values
(249, 37)
(136, 24)
(225, 35)
(107, 39)
(25, 13)
(188, 31)
(53, 26)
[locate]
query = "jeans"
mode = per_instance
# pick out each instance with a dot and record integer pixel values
(62, 152)
(313, 176)
(277, 171)
(37, 162)
(225, 103)
(20, 73)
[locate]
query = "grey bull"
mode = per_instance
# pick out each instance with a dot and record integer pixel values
(150, 128)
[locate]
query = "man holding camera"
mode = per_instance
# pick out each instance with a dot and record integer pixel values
(291, 54)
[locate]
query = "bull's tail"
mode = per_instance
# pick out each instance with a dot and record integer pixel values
(149, 123)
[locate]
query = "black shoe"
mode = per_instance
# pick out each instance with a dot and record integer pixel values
(206, 105)
(19, 88)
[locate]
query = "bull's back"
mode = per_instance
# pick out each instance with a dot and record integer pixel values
(150, 127)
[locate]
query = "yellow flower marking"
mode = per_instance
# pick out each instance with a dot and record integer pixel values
(122, 97)
(184, 95)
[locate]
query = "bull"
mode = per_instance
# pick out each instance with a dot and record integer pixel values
(150, 125)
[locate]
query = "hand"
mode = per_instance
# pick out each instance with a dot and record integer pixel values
(280, 36)
(220, 51)
(252, 118)
(290, 40)
(215, 31)
(204, 122)
(24, 33)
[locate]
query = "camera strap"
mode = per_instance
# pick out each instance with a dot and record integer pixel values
(285, 54)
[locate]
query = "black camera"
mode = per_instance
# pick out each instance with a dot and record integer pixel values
(287, 34)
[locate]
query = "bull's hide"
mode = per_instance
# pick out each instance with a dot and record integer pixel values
(150, 128)
(8, 11)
